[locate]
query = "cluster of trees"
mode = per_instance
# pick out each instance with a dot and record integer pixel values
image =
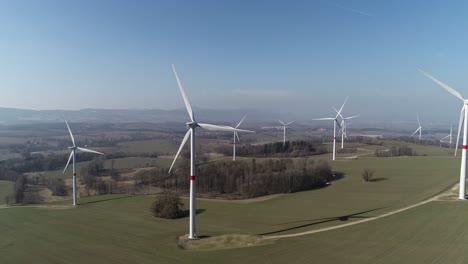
(57, 186)
(396, 151)
(298, 148)
(24, 188)
(246, 178)
(167, 205)
(20, 188)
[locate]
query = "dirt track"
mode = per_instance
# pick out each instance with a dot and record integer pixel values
(445, 196)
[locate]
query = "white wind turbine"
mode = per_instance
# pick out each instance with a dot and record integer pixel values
(335, 122)
(72, 155)
(419, 128)
(344, 126)
(449, 136)
(192, 125)
(234, 139)
(463, 121)
(284, 130)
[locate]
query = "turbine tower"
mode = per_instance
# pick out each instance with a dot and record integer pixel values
(335, 122)
(192, 125)
(284, 130)
(343, 130)
(234, 140)
(72, 155)
(448, 136)
(463, 121)
(419, 128)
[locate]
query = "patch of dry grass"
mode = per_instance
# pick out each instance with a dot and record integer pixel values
(221, 242)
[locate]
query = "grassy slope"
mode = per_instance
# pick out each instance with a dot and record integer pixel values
(123, 231)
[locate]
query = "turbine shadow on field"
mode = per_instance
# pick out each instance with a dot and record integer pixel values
(321, 221)
(379, 179)
(108, 199)
(186, 213)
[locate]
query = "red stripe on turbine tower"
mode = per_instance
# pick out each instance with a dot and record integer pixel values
(465, 147)
(334, 138)
(74, 174)
(192, 178)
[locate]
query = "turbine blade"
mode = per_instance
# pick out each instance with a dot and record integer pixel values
(444, 138)
(90, 151)
(68, 162)
(287, 124)
(341, 109)
(324, 118)
(222, 128)
(281, 122)
(462, 115)
(415, 131)
(241, 121)
(237, 135)
(443, 85)
(417, 117)
(71, 135)
(180, 149)
(184, 96)
(338, 113)
(351, 117)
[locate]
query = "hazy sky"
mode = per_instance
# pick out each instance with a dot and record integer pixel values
(293, 56)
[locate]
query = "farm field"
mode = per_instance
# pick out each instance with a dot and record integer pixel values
(120, 229)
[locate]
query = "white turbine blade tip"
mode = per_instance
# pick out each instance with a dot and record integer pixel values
(241, 121)
(71, 134)
(68, 162)
(180, 149)
(184, 96)
(221, 128)
(324, 118)
(443, 85)
(90, 151)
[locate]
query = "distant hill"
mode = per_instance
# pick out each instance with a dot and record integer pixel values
(12, 116)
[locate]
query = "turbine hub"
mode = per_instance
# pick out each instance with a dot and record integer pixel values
(192, 124)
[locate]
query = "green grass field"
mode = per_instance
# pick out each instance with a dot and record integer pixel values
(120, 229)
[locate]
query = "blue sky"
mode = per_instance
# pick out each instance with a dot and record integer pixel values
(292, 56)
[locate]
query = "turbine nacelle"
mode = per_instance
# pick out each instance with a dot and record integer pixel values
(192, 124)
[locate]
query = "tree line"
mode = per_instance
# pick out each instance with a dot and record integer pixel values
(299, 148)
(244, 179)
(396, 151)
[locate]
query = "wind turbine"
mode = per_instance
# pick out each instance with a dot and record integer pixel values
(192, 125)
(448, 136)
(72, 155)
(284, 130)
(335, 122)
(463, 121)
(419, 128)
(234, 140)
(343, 129)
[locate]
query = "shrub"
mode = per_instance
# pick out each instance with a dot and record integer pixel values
(167, 205)
(367, 175)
